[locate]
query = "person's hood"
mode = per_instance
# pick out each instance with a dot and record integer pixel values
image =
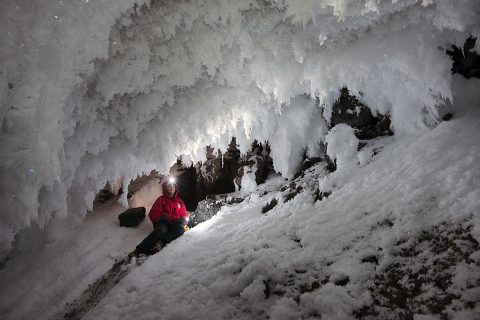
(164, 189)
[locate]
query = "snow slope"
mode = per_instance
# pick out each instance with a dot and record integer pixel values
(335, 258)
(39, 283)
(293, 262)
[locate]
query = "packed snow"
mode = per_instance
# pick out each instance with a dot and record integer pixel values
(92, 91)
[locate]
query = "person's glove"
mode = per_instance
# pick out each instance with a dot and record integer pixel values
(184, 222)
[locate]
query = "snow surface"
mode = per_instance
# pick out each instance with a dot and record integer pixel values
(91, 91)
(221, 268)
(58, 273)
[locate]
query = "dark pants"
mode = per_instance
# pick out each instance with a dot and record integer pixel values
(164, 231)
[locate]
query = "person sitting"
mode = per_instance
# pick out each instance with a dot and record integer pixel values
(169, 218)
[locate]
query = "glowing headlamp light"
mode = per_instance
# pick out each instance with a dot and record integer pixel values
(171, 180)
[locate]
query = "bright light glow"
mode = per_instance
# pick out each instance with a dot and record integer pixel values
(171, 180)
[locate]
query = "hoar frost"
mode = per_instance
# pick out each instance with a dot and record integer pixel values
(342, 146)
(103, 89)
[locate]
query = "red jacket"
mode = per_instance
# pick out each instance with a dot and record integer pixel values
(171, 208)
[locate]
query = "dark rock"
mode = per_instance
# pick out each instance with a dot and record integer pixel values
(235, 200)
(232, 152)
(209, 153)
(289, 196)
(131, 217)
(385, 223)
(349, 110)
(306, 164)
(258, 156)
(447, 117)
(264, 167)
(365, 311)
(238, 179)
(267, 290)
(319, 196)
(10, 86)
(293, 191)
(104, 195)
(224, 179)
(221, 173)
(361, 145)
(206, 209)
(296, 240)
(343, 281)
(225, 198)
(465, 62)
(331, 165)
(187, 187)
(421, 280)
(4, 261)
(310, 162)
(383, 126)
(216, 174)
(269, 206)
(370, 259)
(309, 287)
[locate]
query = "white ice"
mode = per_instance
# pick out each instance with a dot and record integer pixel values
(220, 268)
(92, 91)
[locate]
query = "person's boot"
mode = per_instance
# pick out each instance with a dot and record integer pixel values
(134, 254)
(157, 247)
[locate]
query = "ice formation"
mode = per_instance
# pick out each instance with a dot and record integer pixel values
(94, 90)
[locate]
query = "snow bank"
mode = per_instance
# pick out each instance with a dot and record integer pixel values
(310, 260)
(103, 89)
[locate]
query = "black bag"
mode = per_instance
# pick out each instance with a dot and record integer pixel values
(132, 217)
